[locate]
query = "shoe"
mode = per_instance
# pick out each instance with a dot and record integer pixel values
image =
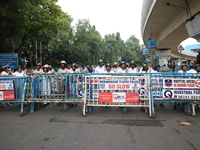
(4, 105)
(124, 112)
(161, 105)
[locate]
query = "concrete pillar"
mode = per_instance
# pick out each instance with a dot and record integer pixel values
(164, 55)
(193, 27)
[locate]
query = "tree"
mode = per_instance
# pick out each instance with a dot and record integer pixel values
(86, 39)
(134, 50)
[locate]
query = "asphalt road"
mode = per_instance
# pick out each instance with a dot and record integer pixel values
(104, 129)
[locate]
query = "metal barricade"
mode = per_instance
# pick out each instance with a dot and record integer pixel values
(181, 88)
(12, 90)
(116, 90)
(54, 88)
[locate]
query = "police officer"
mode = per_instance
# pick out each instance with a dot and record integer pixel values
(132, 68)
(5, 72)
(51, 70)
(192, 70)
(198, 68)
(151, 68)
(155, 69)
(115, 67)
(183, 68)
(145, 68)
(63, 68)
(169, 68)
(100, 68)
(38, 69)
(74, 69)
(83, 69)
(108, 69)
(123, 68)
(19, 72)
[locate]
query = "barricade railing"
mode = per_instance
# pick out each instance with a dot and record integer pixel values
(103, 90)
(54, 88)
(116, 90)
(182, 89)
(12, 90)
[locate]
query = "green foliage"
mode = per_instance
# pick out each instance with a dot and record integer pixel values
(42, 21)
(116, 47)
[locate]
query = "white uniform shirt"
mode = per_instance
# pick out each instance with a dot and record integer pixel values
(100, 69)
(19, 74)
(115, 69)
(153, 71)
(72, 71)
(111, 71)
(150, 70)
(52, 71)
(4, 73)
(65, 70)
(122, 70)
(181, 71)
(134, 70)
(38, 71)
(191, 71)
(85, 70)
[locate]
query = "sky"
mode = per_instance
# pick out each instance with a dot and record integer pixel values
(110, 16)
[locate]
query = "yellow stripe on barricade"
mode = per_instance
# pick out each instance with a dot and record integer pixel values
(185, 123)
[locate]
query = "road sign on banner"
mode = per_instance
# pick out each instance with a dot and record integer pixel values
(181, 83)
(7, 95)
(132, 97)
(180, 48)
(9, 58)
(193, 94)
(105, 97)
(6, 85)
(119, 97)
(7, 90)
(121, 84)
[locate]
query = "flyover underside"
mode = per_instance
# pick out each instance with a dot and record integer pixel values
(166, 24)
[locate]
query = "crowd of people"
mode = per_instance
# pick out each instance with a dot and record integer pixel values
(121, 67)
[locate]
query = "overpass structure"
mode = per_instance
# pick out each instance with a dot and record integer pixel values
(170, 22)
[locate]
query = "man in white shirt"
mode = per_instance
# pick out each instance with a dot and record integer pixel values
(19, 72)
(83, 69)
(115, 67)
(74, 69)
(145, 68)
(155, 69)
(5, 72)
(38, 69)
(183, 69)
(108, 69)
(123, 68)
(63, 68)
(192, 70)
(100, 68)
(198, 68)
(51, 70)
(132, 68)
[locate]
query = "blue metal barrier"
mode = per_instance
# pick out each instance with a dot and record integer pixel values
(96, 89)
(168, 88)
(12, 90)
(54, 88)
(68, 89)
